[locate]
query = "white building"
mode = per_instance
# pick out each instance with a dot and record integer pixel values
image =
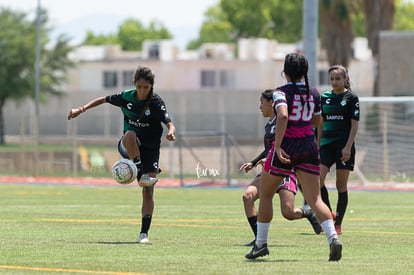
(257, 65)
(211, 89)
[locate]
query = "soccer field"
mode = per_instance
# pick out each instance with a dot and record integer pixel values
(58, 229)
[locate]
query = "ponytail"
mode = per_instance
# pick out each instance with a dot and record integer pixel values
(296, 67)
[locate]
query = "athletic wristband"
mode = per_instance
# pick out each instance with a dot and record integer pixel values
(255, 161)
(258, 158)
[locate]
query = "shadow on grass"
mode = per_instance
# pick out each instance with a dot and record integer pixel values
(311, 234)
(269, 245)
(271, 261)
(137, 243)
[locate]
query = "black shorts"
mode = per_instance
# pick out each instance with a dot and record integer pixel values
(332, 153)
(150, 156)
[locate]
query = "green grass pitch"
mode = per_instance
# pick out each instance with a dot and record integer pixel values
(57, 229)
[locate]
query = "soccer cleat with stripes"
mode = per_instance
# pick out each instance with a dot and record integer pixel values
(257, 252)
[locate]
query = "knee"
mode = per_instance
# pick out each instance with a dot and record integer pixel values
(288, 214)
(130, 135)
(248, 197)
(341, 186)
(342, 189)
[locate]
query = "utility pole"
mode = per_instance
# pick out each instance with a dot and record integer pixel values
(37, 91)
(310, 38)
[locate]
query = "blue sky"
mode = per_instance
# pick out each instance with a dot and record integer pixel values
(74, 17)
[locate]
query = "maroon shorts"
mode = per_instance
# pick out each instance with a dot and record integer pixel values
(303, 154)
(288, 183)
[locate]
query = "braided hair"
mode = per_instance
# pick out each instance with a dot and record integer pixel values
(296, 67)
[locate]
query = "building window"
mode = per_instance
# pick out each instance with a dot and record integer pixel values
(208, 78)
(127, 78)
(323, 78)
(154, 51)
(110, 79)
(222, 78)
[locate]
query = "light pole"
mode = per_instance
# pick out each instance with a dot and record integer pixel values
(310, 38)
(37, 90)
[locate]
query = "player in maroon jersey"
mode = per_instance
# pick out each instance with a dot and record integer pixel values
(287, 188)
(298, 110)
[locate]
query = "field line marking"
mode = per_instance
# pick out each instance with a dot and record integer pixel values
(15, 267)
(136, 222)
(200, 225)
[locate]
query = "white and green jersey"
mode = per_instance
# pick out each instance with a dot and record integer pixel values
(337, 113)
(142, 116)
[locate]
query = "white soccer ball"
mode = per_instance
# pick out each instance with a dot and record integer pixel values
(124, 171)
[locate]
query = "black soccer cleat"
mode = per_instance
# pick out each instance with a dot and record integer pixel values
(317, 228)
(335, 250)
(257, 252)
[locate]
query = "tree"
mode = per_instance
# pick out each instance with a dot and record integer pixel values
(99, 39)
(240, 15)
(215, 28)
(130, 35)
(379, 16)
(231, 20)
(357, 16)
(273, 19)
(337, 33)
(17, 60)
(404, 16)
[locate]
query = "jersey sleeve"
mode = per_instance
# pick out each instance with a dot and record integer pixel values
(161, 110)
(279, 98)
(115, 99)
(317, 102)
(355, 108)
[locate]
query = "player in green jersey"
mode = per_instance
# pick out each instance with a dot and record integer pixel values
(340, 114)
(143, 111)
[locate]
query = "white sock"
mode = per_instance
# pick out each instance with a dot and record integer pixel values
(329, 228)
(262, 233)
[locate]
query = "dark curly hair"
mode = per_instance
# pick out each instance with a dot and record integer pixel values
(296, 67)
(145, 73)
